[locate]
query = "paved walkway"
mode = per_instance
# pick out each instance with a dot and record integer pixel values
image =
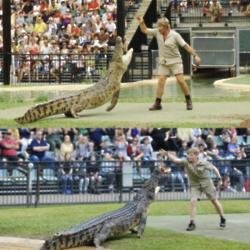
(238, 226)
(211, 114)
(131, 114)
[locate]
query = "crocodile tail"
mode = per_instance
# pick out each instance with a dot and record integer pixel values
(44, 110)
(51, 245)
(62, 241)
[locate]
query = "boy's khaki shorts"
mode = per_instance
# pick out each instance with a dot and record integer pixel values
(208, 189)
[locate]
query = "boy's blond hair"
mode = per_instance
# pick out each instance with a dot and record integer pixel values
(195, 151)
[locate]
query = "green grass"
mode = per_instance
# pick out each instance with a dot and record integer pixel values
(50, 123)
(164, 239)
(45, 220)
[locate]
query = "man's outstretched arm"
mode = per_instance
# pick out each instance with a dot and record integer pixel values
(142, 25)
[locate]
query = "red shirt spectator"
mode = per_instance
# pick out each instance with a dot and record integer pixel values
(9, 146)
(43, 6)
(94, 5)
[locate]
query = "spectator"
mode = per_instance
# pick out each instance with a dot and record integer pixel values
(215, 11)
(84, 148)
(40, 26)
(121, 145)
(66, 148)
(135, 153)
(234, 4)
(65, 174)
(9, 146)
(134, 150)
(54, 138)
(226, 187)
(247, 11)
(39, 150)
(93, 5)
(93, 173)
(205, 7)
(108, 170)
(147, 149)
(232, 148)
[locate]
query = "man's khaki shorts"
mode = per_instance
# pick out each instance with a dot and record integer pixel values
(172, 69)
(208, 189)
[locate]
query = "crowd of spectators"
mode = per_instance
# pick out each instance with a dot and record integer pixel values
(53, 37)
(215, 9)
(88, 156)
(43, 27)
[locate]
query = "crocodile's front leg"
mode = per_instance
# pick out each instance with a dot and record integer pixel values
(142, 224)
(74, 110)
(71, 113)
(104, 234)
(114, 100)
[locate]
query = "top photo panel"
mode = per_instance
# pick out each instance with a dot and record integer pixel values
(108, 63)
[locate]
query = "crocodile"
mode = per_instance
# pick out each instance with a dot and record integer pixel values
(129, 218)
(104, 90)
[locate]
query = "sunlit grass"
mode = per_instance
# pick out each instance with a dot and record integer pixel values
(44, 221)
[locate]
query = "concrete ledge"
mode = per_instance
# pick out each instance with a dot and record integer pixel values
(231, 86)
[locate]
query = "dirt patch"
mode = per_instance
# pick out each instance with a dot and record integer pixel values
(245, 123)
(13, 243)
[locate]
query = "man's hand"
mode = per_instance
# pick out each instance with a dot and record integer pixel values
(163, 152)
(197, 60)
(219, 183)
(139, 18)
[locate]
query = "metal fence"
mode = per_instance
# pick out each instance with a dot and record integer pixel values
(26, 183)
(27, 69)
(197, 12)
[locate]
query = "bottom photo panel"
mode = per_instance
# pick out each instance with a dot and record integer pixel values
(64, 188)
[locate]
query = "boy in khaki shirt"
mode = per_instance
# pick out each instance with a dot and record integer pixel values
(200, 182)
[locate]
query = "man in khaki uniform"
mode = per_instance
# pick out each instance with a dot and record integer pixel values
(170, 61)
(200, 182)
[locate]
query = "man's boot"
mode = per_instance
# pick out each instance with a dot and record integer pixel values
(156, 105)
(189, 104)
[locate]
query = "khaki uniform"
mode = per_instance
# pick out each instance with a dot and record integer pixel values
(199, 178)
(170, 61)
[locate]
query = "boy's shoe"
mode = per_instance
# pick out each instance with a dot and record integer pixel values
(222, 222)
(191, 226)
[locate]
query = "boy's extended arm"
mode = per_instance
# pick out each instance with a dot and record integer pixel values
(171, 156)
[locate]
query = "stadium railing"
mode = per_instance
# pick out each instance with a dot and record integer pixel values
(26, 183)
(197, 12)
(27, 69)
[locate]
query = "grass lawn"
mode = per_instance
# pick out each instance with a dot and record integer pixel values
(44, 221)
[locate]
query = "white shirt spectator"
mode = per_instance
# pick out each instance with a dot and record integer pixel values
(110, 26)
